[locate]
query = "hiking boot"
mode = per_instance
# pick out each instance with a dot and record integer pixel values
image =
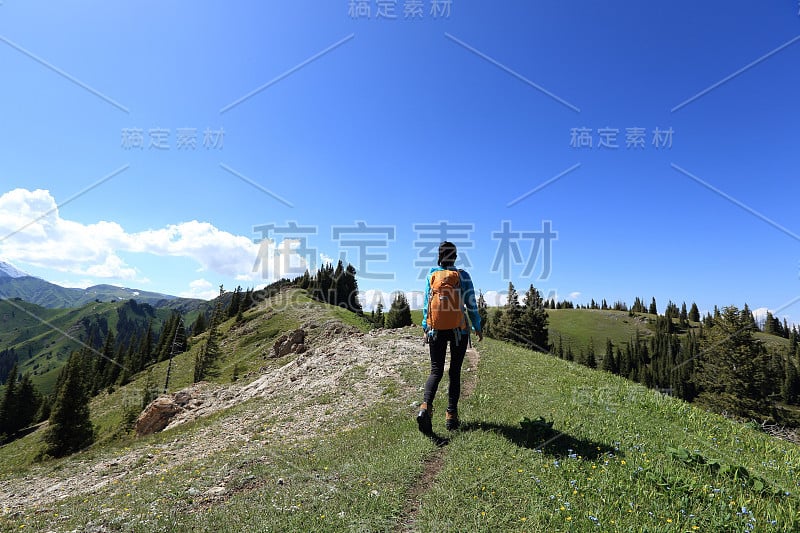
(451, 420)
(424, 419)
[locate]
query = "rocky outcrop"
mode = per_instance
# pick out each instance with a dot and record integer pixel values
(157, 415)
(293, 342)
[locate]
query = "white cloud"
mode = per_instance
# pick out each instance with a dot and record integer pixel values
(574, 295)
(760, 314)
(200, 288)
(495, 298)
(327, 259)
(277, 261)
(34, 233)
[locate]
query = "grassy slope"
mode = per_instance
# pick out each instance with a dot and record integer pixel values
(579, 326)
(25, 326)
(606, 461)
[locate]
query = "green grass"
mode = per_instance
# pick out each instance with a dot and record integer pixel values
(578, 326)
(606, 464)
(547, 445)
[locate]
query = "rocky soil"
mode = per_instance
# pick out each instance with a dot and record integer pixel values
(340, 372)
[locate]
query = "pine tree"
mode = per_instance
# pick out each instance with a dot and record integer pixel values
(791, 384)
(694, 313)
(70, 426)
(235, 303)
(350, 288)
(206, 360)
(101, 362)
(731, 369)
(509, 324)
(8, 405)
(28, 402)
(399, 314)
(379, 317)
(683, 316)
(483, 312)
(145, 350)
(496, 321)
(609, 365)
(653, 310)
(591, 357)
(532, 330)
(199, 325)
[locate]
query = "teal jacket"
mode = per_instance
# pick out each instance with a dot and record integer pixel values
(467, 296)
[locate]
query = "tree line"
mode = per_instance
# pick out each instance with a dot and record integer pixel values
(715, 360)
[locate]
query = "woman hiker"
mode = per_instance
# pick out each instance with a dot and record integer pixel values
(449, 298)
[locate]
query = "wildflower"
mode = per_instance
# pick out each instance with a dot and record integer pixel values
(523, 519)
(569, 519)
(669, 520)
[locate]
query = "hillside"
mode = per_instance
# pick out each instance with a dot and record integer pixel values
(325, 441)
(43, 339)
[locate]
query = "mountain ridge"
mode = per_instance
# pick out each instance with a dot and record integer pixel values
(52, 296)
(10, 271)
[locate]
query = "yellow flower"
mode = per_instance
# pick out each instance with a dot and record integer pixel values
(669, 520)
(695, 528)
(623, 462)
(523, 519)
(483, 513)
(569, 519)
(562, 508)
(519, 470)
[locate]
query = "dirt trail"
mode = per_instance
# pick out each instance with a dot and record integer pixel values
(435, 461)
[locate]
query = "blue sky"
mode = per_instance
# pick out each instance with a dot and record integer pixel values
(310, 113)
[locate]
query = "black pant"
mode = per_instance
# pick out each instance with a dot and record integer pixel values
(438, 346)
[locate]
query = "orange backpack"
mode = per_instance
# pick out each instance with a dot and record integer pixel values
(445, 309)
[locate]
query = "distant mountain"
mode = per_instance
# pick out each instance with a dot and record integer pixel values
(17, 284)
(10, 271)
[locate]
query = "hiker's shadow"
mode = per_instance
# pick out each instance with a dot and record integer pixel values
(539, 435)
